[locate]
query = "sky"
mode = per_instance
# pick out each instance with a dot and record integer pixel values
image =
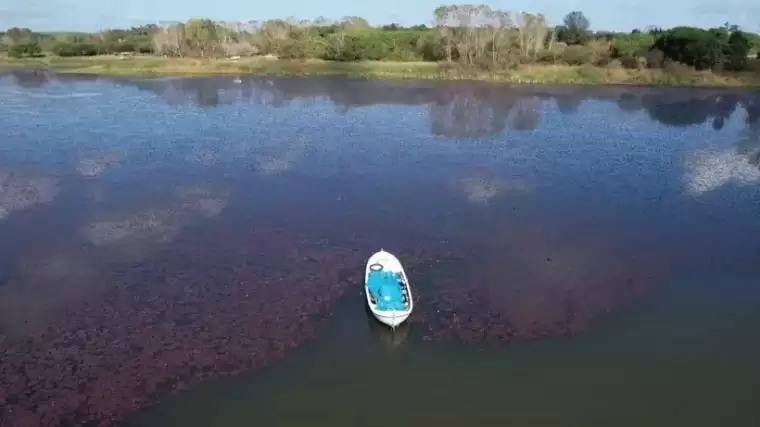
(94, 15)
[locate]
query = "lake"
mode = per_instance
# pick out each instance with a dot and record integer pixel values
(190, 252)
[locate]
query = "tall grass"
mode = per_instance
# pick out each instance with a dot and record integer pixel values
(529, 73)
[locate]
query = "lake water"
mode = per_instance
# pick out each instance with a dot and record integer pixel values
(190, 251)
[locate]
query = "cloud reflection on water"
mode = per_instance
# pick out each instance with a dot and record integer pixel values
(480, 189)
(710, 170)
(96, 162)
(465, 110)
(455, 110)
(137, 231)
(47, 280)
(21, 190)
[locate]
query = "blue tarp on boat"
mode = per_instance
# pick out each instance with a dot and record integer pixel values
(386, 289)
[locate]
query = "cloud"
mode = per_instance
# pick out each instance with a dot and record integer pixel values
(20, 191)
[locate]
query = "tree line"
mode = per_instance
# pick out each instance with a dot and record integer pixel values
(468, 35)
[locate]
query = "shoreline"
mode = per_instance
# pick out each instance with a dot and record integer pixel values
(147, 66)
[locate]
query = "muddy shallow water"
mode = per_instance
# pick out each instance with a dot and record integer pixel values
(579, 255)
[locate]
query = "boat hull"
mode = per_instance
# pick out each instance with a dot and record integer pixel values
(391, 318)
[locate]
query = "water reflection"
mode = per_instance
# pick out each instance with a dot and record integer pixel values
(749, 142)
(36, 78)
(20, 190)
(574, 212)
(463, 109)
(569, 103)
(139, 230)
(708, 170)
(392, 339)
(31, 78)
(479, 189)
(691, 110)
(96, 162)
(470, 110)
(474, 110)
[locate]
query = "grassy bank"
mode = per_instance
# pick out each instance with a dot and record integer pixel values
(532, 74)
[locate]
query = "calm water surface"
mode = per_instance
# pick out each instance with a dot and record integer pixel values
(582, 256)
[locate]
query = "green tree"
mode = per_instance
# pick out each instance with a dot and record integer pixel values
(17, 35)
(754, 42)
(20, 50)
(76, 48)
(576, 20)
(703, 49)
(737, 50)
(632, 45)
(575, 29)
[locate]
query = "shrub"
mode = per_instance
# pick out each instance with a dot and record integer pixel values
(632, 45)
(485, 63)
(678, 71)
(547, 56)
(292, 50)
(614, 64)
(25, 49)
(630, 62)
(753, 65)
(14, 52)
(605, 61)
(74, 49)
(590, 73)
(595, 52)
(655, 58)
(577, 55)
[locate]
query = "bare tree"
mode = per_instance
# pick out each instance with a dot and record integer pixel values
(168, 40)
(464, 32)
(337, 44)
(537, 31)
(354, 23)
(443, 25)
(531, 33)
(274, 34)
(202, 36)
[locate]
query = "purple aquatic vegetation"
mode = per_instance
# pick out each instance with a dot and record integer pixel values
(227, 302)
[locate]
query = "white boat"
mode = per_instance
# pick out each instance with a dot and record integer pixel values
(388, 293)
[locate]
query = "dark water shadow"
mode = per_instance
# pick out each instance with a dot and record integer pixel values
(391, 338)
